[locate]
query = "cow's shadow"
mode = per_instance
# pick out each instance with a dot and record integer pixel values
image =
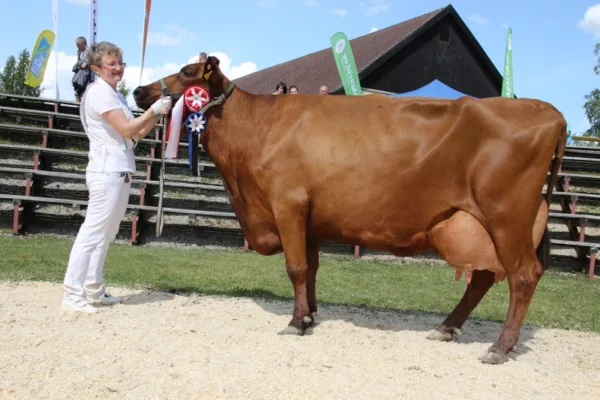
(475, 330)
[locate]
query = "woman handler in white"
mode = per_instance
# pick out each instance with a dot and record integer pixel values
(113, 133)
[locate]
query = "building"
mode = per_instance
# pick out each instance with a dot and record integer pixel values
(433, 47)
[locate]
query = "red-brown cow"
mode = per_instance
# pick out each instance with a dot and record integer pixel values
(462, 177)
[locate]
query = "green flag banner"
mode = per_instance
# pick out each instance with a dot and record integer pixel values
(344, 59)
(507, 82)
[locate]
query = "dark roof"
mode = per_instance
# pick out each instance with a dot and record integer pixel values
(313, 70)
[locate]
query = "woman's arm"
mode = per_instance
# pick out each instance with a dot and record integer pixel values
(130, 128)
(148, 128)
(140, 125)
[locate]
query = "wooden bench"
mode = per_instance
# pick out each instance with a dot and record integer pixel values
(592, 248)
(38, 151)
(19, 200)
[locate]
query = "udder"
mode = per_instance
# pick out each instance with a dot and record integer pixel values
(464, 243)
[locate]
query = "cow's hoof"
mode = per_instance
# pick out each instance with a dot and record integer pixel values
(307, 323)
(439, 336)
(494, 357)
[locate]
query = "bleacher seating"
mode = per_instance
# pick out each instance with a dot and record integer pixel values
(43, 153)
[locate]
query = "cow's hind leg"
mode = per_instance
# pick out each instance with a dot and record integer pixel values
(481, 282)
(312, 255)
(522, 282)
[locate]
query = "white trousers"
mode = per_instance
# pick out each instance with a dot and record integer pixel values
(108, 198)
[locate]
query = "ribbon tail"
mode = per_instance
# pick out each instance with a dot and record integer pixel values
(174, 130)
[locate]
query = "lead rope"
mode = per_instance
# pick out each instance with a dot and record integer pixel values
(161, 179)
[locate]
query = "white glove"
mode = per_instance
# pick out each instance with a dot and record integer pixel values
(162, 105)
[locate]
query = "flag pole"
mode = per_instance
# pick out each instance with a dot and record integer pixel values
(145, 36)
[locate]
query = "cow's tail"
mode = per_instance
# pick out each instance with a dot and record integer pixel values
(543, 250)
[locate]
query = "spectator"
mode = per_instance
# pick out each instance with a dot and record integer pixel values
(280, 88)
(83, 74)
(203, 57)
(293, 89)
(324, 90)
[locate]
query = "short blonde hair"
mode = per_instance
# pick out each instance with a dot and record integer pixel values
(96, 51)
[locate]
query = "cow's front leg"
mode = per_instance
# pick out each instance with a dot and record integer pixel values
(292, 230)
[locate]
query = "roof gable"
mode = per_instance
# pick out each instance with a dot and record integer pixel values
(315, 69)
(311, 71)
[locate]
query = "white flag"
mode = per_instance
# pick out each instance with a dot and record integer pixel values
(93, 22)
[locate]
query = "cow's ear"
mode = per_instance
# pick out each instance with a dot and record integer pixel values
(210, 67)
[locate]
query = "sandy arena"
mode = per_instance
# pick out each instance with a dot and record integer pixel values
(163, 346)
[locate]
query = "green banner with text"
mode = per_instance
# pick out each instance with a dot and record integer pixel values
(344, 59)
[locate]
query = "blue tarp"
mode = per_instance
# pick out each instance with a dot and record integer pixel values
(434, 88)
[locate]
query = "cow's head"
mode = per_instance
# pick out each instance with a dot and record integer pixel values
(206, 75)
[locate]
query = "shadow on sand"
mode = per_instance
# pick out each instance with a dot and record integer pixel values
(475, 330)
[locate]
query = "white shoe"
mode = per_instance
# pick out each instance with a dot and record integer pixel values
(79, 305)
(106, 299)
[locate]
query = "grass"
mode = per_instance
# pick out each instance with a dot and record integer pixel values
(560, 301)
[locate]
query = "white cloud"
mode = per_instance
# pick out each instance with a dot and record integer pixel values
(478, 19)
(174, 35)
(374, 7)
(591, 21)
(79, 2)
(132, 73)
(311, 3)
(373, 29)
(340, 12)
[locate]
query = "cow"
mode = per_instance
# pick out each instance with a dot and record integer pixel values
(462, 177)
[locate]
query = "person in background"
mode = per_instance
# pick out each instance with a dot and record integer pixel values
(293, 89)
(280, 88)
(83, 75)
(113, 133)
(203, 57)
(323, 89)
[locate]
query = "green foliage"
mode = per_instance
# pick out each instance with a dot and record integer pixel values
(12, 77)
(592, 102)
(123, 88)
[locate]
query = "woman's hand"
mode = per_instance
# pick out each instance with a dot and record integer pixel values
(162, 105)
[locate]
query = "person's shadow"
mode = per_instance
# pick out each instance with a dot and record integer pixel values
(146, 297)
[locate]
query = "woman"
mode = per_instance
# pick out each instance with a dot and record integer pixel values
(113, 133)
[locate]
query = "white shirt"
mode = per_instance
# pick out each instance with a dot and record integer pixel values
(109, 150)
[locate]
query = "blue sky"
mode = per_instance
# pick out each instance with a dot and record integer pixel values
(552, 41)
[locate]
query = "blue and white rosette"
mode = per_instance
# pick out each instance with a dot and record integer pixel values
(195, 125)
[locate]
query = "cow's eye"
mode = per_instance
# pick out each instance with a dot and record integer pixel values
(188, 73)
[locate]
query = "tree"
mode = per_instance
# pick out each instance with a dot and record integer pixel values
(592, 103)
(122, 87)
(12, 77)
